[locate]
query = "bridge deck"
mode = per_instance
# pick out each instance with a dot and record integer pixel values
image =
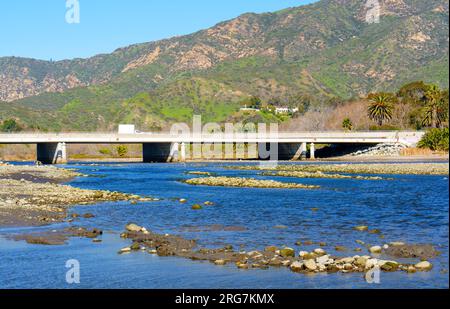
(297, 137)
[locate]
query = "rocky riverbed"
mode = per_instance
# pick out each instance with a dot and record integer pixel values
(34, 195)
(318, 174)
(306, 262)
(381, 168)
(245, 183)
(316, 261)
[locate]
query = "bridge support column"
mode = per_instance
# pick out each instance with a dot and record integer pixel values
(159, 152)
(183, 152)
(51, 153)
(312, 151)
(174, 152)
(303, 151)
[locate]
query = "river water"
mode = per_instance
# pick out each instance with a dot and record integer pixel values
(412, 209)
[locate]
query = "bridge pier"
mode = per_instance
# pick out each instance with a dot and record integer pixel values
(303, 151)
(182, 155)
(312, 151)
(51, 153)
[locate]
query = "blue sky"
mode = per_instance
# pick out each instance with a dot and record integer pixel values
(38, 28)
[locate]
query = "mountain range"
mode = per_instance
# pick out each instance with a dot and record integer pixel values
(317, 52)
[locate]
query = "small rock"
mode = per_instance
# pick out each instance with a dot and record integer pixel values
(411, 269)
(286, 263)
(275, 262)
(371, 263)
(310, 265)
(296, 266)
(348, 266)
(286, 252)
(361, 228)
(135, 246)
(280, 227)
(302, 254)
(323, 259)
(397, 243)
(390, 266)
(228, 247)
(361, 261)
(309, 256)
(220, 262)
(132, 227)
(423, 266)
(242, 265)
(125, 250)
(346, 260)
(319, 251)
(252, 253)
(271, 249)
(375, 249)
(197, 207)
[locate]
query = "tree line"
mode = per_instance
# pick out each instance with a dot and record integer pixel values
(429, 105)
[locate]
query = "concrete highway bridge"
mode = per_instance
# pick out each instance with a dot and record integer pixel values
(162, 147)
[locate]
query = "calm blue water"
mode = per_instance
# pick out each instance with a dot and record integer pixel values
(412, 209)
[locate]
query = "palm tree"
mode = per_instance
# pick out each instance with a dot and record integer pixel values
(436, 109)
(381, 106)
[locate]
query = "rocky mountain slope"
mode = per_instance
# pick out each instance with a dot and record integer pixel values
(324, 50)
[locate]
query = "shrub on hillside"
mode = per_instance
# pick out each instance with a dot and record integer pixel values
(435, 139)
(347, 124)
(122, 151)
(10, 125)
(105, 151)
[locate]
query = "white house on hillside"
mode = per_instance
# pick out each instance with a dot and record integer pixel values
(285, 110)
